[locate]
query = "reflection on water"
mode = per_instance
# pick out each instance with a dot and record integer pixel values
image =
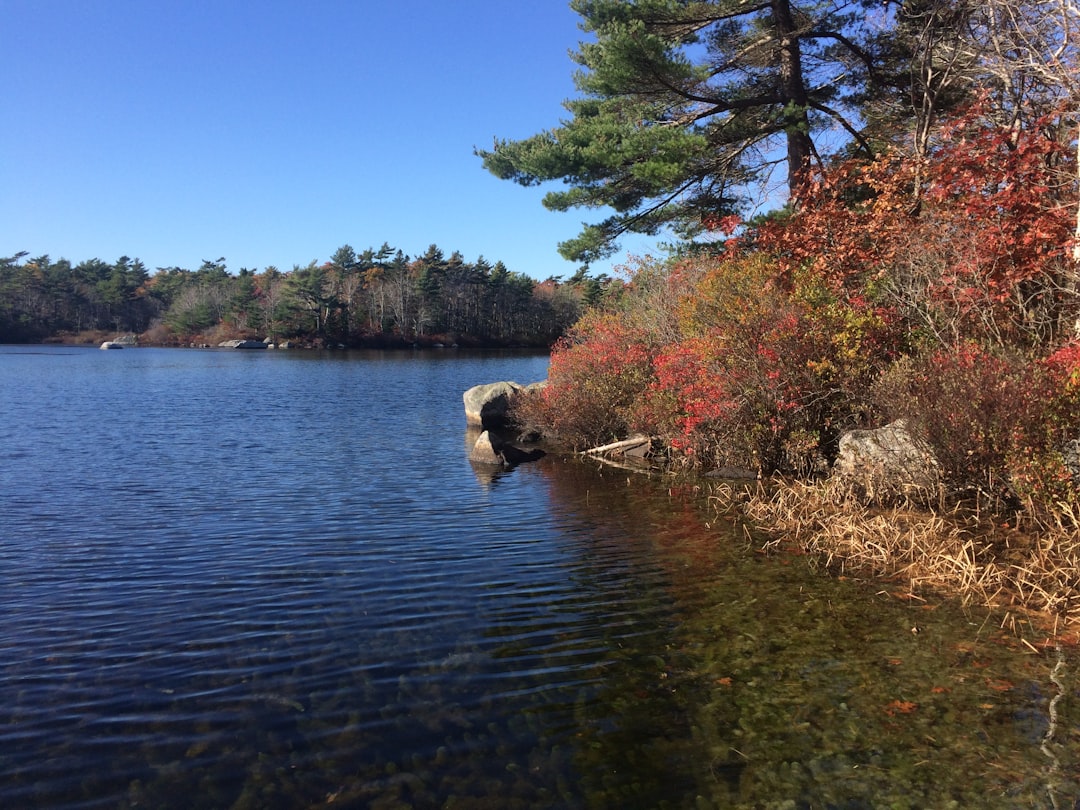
(830, 693)
(277, 582)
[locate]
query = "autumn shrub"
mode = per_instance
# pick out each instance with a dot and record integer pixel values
(158, 334)
(649, 295)
(690, 403)
(1046, 453)
(1001, 424)
(770, 368)
(600, 370)
(846, 226)
(971, 405)
(988, 257)
(966, 254)
(595, 375)
(971, 242)
(764, 353)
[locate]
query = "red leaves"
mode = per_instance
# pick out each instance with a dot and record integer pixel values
(900, 707)
(594, 378)
(760, 356)
(959, 237)
(726, 225)
(686, 372)
(1064, 366)
(997, 194)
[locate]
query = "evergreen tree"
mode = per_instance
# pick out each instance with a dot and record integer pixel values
(684, 104)
(308, 287)
(345, 282)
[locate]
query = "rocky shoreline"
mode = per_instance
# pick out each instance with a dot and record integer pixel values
(878, 512)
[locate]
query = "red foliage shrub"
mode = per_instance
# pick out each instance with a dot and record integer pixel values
(763, 355)
(769, 368)
(688, 394)
(596, 373)
(846, 226)
(972, 406)
(1039, 468)
(971, 244)
(1063, 379)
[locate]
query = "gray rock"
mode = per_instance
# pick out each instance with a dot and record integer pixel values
(487, 405)
(1071, 455)
(242, 344)
(491, 449)
(483, 451)
(886, 464)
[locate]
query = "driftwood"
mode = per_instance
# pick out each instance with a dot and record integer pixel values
(625, 444)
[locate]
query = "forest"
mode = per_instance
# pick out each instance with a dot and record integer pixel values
(874, 211)
(378, 297)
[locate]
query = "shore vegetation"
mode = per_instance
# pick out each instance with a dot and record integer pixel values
(923, 265)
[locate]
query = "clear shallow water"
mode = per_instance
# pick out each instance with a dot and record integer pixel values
(258, 580)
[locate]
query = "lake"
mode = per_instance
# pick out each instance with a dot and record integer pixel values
(269, 579)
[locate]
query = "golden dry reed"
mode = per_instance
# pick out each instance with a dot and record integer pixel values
(1034, 567)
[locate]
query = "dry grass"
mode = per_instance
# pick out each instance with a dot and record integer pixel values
(1034, 567)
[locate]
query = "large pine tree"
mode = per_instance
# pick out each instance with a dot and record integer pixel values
(684, 105)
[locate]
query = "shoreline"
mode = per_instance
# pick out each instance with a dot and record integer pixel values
(1022, 570)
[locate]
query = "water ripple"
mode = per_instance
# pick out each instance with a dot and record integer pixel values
(245, 581)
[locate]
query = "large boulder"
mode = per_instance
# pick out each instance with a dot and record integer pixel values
(486, 406)
(886, 464)
(242, 344)
(490, 448)
(484, 452)
(1070, 454)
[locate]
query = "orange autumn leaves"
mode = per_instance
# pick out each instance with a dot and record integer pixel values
(761, 352)
(900, 707)
(906, 706)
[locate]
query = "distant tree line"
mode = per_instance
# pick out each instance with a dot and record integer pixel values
(375, 297)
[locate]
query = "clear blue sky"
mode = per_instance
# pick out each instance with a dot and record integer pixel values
(273, 132)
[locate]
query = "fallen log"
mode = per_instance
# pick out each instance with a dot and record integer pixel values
(625, 444)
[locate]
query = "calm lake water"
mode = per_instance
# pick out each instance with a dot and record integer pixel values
(274, 580)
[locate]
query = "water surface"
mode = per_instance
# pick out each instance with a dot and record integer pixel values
(274, 580)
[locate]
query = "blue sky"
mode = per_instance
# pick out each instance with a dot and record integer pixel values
(273, 132)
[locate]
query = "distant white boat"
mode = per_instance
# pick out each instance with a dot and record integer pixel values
(111, 344)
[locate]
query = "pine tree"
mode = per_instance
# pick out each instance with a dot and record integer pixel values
(684, 105)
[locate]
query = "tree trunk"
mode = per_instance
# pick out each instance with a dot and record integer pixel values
(793, 89)
(1076, 243)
